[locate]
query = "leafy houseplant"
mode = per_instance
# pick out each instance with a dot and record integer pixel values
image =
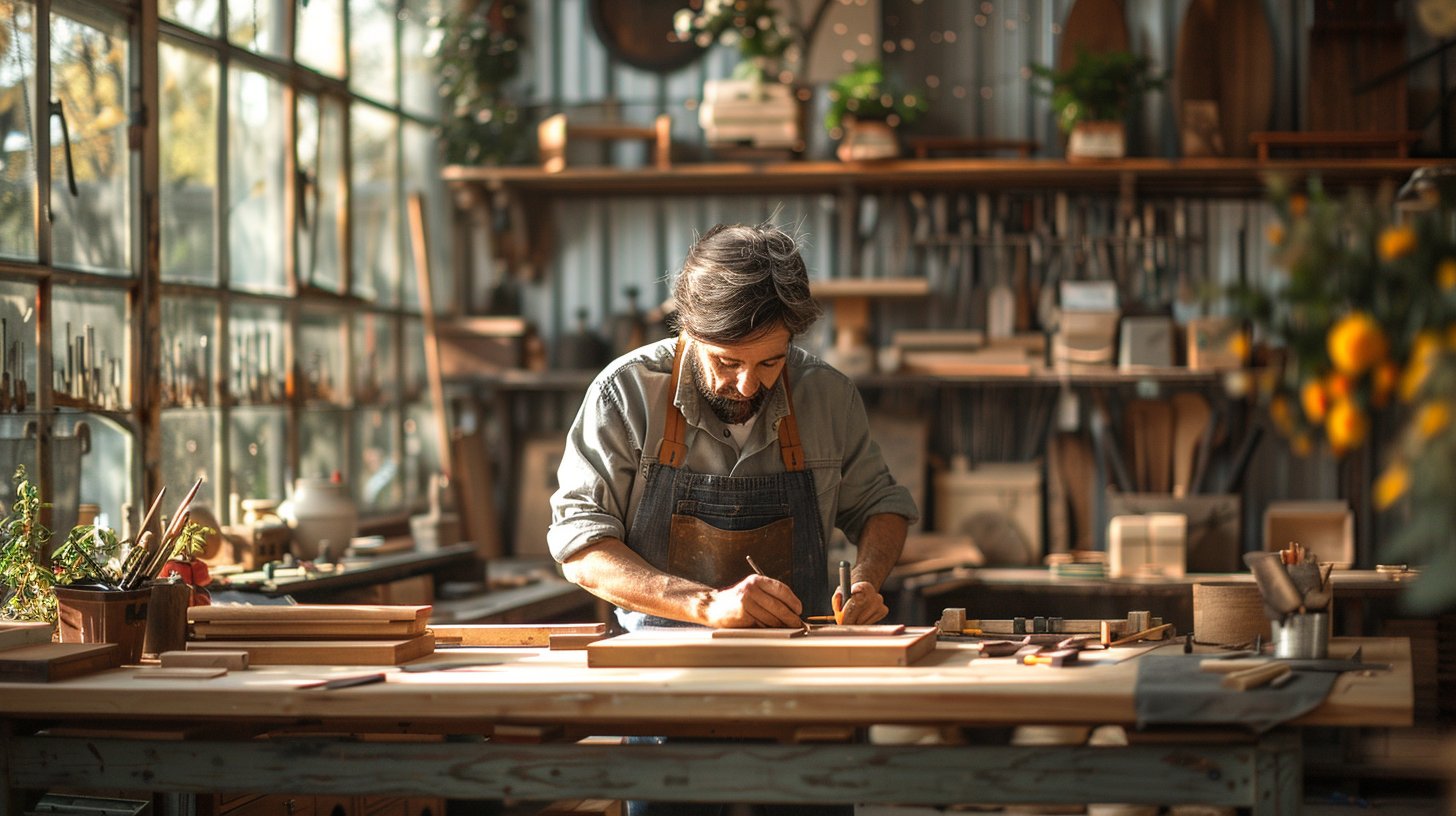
(29, 582)
(479, 54)
(1099, 87)
(1367, 318)
(763, 38)
(861, 94)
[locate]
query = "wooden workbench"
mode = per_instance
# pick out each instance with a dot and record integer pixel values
(255, 731)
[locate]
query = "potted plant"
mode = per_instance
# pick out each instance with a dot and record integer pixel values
(1092, 97)
(28, 581)
(1366, 319)
(864, 113)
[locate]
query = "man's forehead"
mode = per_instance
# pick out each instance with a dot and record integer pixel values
(770, 344)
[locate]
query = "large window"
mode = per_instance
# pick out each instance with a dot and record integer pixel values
(270, 330)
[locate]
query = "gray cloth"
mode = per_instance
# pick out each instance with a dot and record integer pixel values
(1173, 689)
(616, 434)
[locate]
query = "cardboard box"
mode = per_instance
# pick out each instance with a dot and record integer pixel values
(997, 504)
(1154, 545)
(1214, 521)
(1325, 528)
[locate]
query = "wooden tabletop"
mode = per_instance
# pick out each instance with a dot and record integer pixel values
(541, 687)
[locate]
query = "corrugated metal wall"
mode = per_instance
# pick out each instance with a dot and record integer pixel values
(976, 54)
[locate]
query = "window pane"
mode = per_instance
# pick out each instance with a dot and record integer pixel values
(321, 159)
(255, 182)
(321, 444)
(374, 205)
(320, 359)
(17, 354)
(90, 345)
(188, 123)
(200, 15)
(18, 446)
(101, 477)
(422, 175)
(417, 70)
(255, 357)
(189, 351)
(257, 25)
(414, 361)
(421, 453)
(258, 447)
(320, 40)
(371, 49)
(89, 63)
(375, 359)
(379, 484)
(188, 447)
(17, 156)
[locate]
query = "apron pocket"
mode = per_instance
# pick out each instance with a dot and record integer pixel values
(700, 552)
(732, 516)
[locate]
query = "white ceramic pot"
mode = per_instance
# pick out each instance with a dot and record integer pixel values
(1097, 140)
(321, 513)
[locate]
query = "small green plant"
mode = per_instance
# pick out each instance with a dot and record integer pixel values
(89, 555)
(29, 582)
(1099, 86)
(862, 93)
(191, 541)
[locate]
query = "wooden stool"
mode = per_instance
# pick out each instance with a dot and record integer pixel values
(556, 132)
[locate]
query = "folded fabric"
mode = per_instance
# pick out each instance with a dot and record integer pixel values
(1173, 689)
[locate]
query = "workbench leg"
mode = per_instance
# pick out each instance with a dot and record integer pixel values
(11, 801)
(1279, 774)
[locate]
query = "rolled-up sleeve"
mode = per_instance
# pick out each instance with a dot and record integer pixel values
(866, 486)
(596, 475)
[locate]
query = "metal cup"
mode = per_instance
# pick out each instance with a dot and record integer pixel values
(1302, 637)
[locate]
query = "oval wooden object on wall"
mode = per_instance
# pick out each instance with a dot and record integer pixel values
(640, 33)
(1096, 25)
(1226, 54)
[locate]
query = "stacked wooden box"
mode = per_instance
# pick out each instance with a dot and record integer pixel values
(314, 634)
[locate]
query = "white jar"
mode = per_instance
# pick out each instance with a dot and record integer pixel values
(321, 512)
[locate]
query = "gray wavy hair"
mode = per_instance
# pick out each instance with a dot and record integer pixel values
(739, 282)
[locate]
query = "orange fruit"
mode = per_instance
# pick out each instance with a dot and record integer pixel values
(1345, 426)
(1356, 342)
(1314, 400)
(1432, 417)
(1446, 274)
(1391, 485)
(1397, 241)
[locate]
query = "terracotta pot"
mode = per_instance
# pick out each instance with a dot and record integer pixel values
(1097, 140)
(868, 140)
(104, 616)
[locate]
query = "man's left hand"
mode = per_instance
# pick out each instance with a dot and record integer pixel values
(866, 604)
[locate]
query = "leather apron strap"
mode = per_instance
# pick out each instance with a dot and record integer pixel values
(673, 451)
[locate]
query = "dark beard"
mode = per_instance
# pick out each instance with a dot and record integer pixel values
(728, 410)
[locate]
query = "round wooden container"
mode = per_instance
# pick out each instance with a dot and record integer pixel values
(1228, 613)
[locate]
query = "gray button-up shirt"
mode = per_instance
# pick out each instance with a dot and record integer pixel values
(617, 431)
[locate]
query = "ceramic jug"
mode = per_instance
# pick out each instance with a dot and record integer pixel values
(321, 513)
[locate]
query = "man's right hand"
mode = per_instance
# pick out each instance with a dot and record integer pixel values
(755, 601)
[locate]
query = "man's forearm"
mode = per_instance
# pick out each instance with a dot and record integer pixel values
(880, 544)
(611, 571)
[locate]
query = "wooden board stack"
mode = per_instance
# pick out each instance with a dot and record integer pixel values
(699, 647)
(314, 634)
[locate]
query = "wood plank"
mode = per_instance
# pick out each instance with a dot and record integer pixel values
(227, 659)
(309, 630)
(511, 634)
(24, 633)
(324, 652)
(45, 662)
(698, 647)
(294, 613)
(1097, 26)
(180, 673)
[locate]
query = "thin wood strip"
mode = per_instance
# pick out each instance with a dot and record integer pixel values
(306, 612)
(511, 634)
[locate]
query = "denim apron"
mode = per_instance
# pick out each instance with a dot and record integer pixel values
(703, 526)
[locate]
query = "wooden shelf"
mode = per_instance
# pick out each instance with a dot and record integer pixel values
(1202, 177)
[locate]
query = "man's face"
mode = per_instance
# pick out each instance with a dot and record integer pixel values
(735, 379)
